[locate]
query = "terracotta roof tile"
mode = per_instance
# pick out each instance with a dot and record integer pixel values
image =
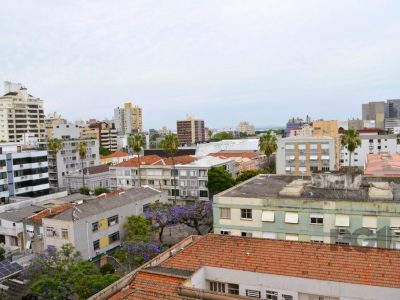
(51, 211)
(156, 160)
(116, 154)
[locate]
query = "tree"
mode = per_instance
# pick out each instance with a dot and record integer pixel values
(136, 143)
(171, 144)
(62, 274)
(351, 140)
(135, 253)
(55, 146)
(219, 180)
(195, 216)
(223, 135)
(268, 145)
(245, 175)
(81, 148)
(2, 253)
(160, 215)
(84, 190)
(104, 151)
(100, 190)
(137, 228)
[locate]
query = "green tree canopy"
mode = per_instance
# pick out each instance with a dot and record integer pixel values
(137, 228)
(246, 175)
(104, 151)
(219, 180)
(351, 140)
(223, 135)
(55, 145)
(267, 144)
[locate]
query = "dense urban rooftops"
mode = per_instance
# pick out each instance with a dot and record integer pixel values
(155, 160)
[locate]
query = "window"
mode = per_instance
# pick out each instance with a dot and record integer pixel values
(253, 293)
(64, 233)
(246, 213)
(268, 216)
(342, 220)
(369, 222)
(182, 173)
(225, 213)
(292, 218)
(151, 182)
(96, 245)
(316, 239)
(95, 226)
(292, 237)
(217, 286)
(225, 232)
(113, 237)
(272, 295)
(247, 234)
(233, 289)
(316, 219)
(269, 235)
(204, 194)
(50, 231)
(112, 220)
(287, 297)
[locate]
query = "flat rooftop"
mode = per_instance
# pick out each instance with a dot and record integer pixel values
(287, 186)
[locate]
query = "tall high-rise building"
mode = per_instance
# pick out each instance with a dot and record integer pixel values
(190, 131)
(375, 111)
(128, 119)
(20, 113)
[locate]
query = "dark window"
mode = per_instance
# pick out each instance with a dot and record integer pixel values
(112, 220)
(272, 295)
(95, 226)
(113, 237)
(253, 293)
(233, 289)
(317, 220)
(246, 213)
(96, 245)
(217, 286)
(203, 193)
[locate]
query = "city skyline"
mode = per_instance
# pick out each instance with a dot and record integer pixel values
(258, 61)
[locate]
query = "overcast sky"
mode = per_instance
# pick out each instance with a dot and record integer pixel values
(222, 61)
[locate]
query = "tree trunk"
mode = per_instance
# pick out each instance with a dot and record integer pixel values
(350, 161)
(269, 171)
(83, 175)
(140, 179)
(160, 234)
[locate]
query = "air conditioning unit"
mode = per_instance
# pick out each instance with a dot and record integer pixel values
(342, 231)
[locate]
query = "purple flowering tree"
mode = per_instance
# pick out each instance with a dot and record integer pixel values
(137, 252)
(195, 216)
(160, 215)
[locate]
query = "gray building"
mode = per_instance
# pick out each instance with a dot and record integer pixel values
(94, 177)
(96, 226)
(375, 111)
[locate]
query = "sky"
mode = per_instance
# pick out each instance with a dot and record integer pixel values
(221, 61)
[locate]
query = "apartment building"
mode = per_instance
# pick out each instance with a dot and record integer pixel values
(20, 113)
(128, 119)
(23, 172)
(190, 131)
(67, 160)
(230, 267)
(246, 127)
(244, 161)
(193, 177)
(155, 171)
(300, 155)
(51, 120)
(95, 177)
(107, 136)
(371, 143)
(326, 208)
(96, 226)
(375, 111)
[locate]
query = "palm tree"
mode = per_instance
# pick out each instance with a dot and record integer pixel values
(81, 148)
(351, 141)
(136, 144)
(267, 145)
(55, 146)
(170, 144)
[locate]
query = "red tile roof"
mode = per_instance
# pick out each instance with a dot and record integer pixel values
(383, 164)
(355, 265)
(116, 154)
(369, 130)
(51, 211)
(96, 169)
(156, 160)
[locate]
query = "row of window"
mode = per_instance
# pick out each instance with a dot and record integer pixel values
(314, 218)
(111, 221)
(112, 238)
(29, 160)
(53, 232)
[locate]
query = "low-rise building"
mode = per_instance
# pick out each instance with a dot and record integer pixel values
(244, 161)
(94, 177)
(302, 155)
(227, 267)
(96, 226)
(328, 208)
(371, 143)
(67, 160)
(246, 128)
(115, 158)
